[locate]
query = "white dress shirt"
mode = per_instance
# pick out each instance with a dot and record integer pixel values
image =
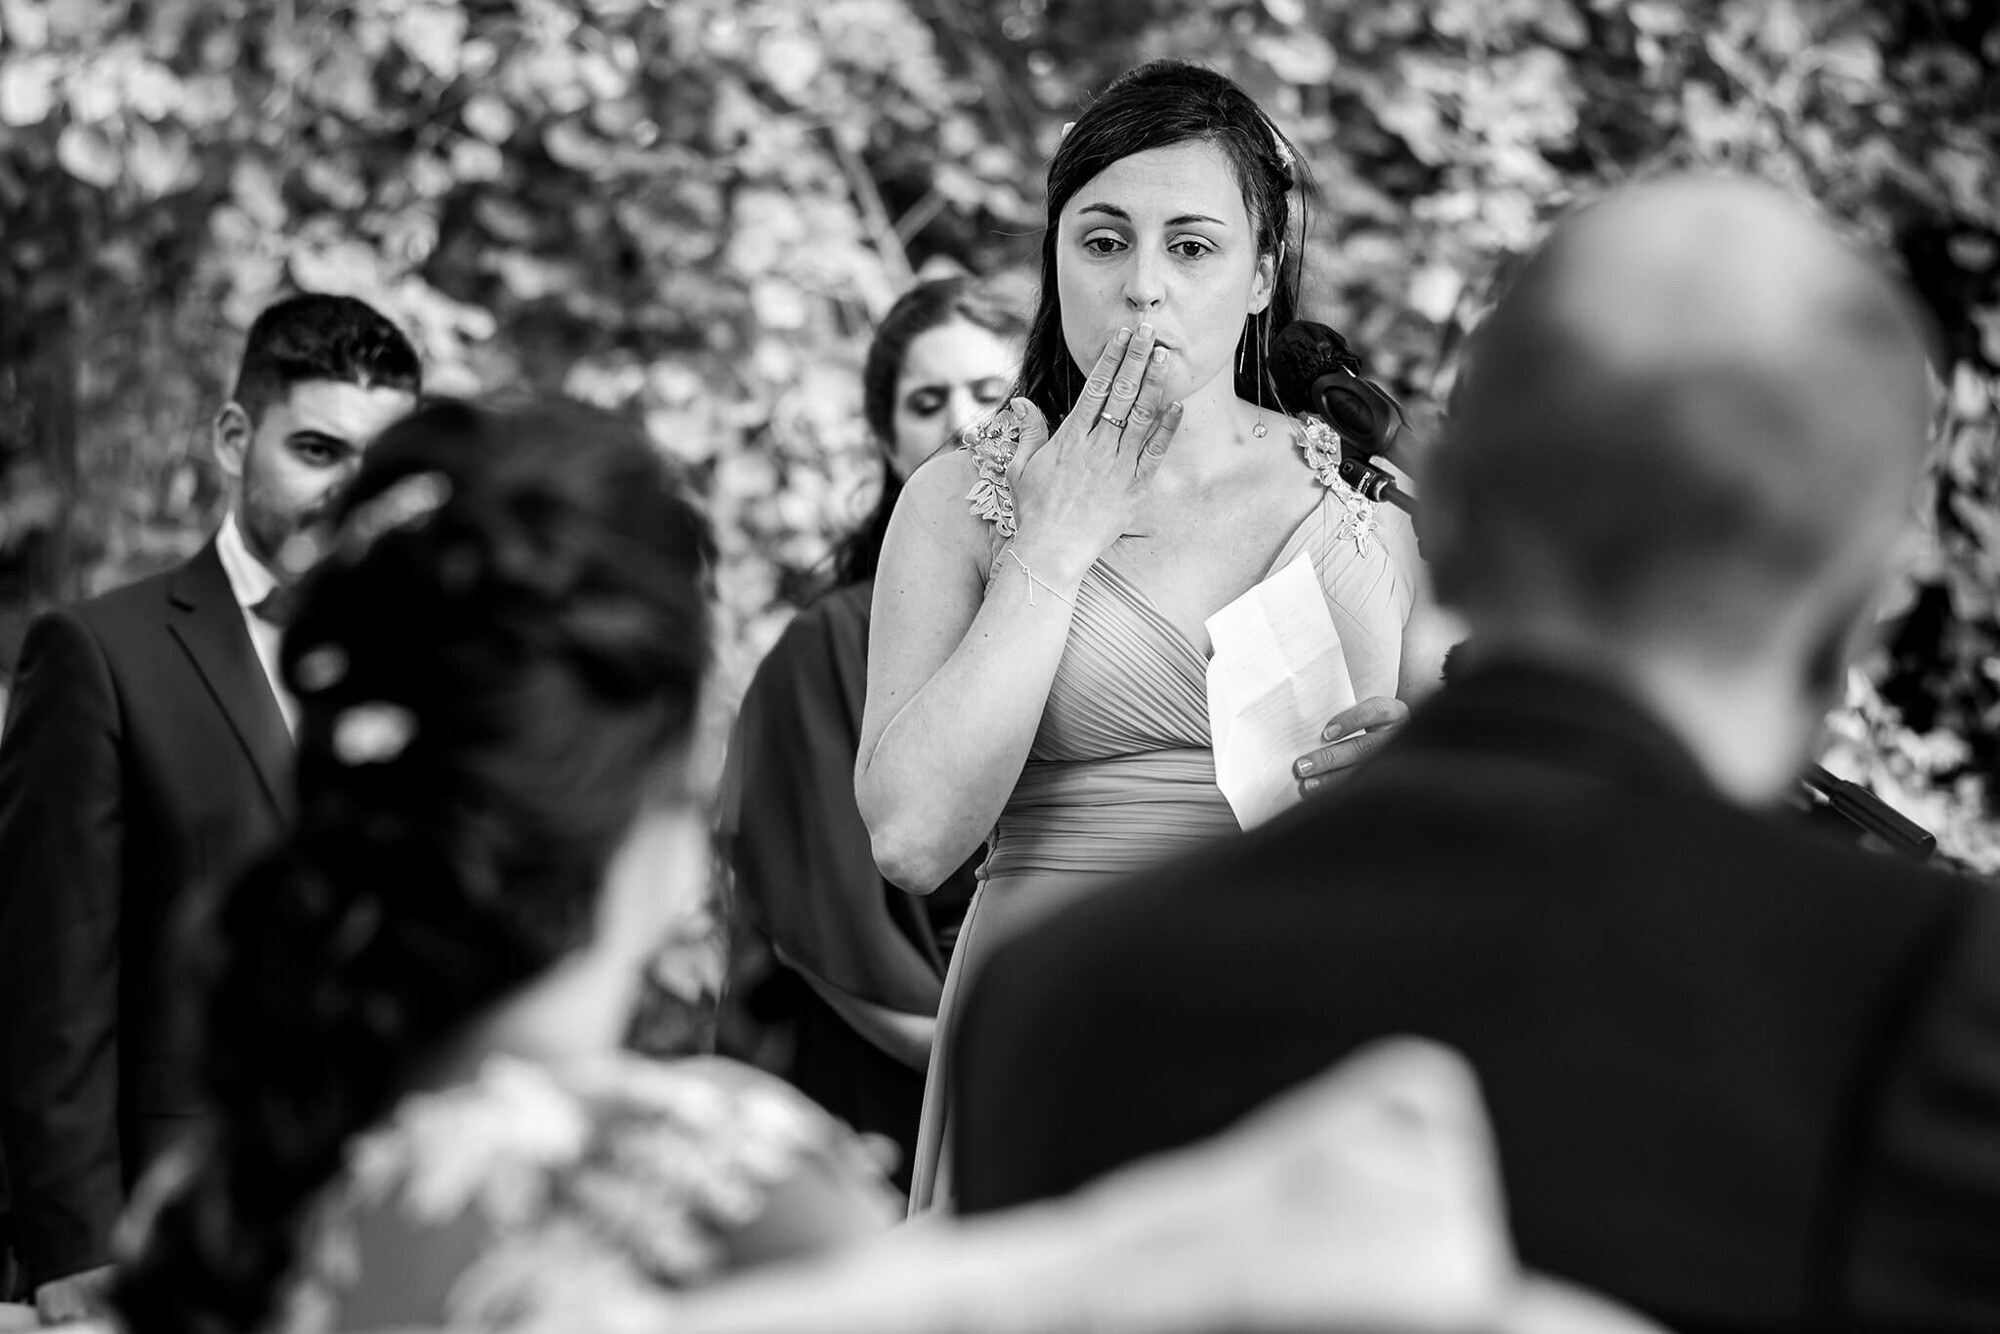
(251, 583)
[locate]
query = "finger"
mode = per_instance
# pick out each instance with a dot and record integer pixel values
(1034, 434)
(1158, 441)
(1365, 716)
(1131, 377)
(1097, 386)
(1317, 766)
(1145, 410)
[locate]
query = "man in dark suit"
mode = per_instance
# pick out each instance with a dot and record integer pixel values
(1742, 1078)
(147, 752)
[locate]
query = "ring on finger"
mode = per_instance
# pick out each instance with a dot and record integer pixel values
(1119, 422)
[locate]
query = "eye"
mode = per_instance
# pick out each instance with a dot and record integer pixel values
(1191, 247)
(318, 451)
(925, 402)
(1103, 243)
(989, 390)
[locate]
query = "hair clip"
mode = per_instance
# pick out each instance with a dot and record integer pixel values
(1284, 155)
(404, 503)
(1068, 125)
(372, 733)
(320, 668)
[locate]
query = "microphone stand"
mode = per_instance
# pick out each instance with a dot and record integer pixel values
(1821, 789)
(1374, 482)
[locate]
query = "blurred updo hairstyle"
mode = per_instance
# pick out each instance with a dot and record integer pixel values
(927, 306)
(498, 667)
(1159, 105)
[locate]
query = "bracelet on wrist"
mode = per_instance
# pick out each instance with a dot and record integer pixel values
(1034, 580)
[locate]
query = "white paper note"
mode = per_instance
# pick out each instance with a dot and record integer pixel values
(1276, 676)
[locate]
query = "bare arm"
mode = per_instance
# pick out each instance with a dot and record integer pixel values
(959, 668)
(1357, 732)
(1429, 631)
(958, 673)
(1366, 1199)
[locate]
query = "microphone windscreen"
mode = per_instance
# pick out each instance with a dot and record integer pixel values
(1350, 410)
(1303, 351)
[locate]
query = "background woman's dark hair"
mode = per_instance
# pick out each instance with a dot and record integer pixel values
(927, 306)
(497, 668)
(1159, 105)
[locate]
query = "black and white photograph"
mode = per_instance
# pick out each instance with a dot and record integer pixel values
(1000, 666)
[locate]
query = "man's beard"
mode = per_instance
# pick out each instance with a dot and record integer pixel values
(276, 539)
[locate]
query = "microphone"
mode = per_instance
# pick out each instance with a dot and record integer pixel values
(1312, 365)
(1869, 813)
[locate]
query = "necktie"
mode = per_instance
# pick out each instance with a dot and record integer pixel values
(276, 607)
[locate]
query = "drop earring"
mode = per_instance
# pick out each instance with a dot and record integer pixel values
(1258, 431)
(1264, 380)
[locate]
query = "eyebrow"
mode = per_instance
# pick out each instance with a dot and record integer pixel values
(313, 435)
(925, 386)
(1176, 221)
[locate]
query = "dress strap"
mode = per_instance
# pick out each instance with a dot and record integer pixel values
(1320, 444)
(992, 441)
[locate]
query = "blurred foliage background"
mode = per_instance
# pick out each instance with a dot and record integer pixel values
(691, 210)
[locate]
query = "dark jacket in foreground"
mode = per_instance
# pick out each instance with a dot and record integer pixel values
(1741, 1077)
(144, 754)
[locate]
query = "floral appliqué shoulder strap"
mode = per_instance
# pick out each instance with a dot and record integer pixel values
(992, 442)
(1320, 444)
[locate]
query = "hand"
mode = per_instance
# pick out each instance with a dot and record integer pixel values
(1077, 490)
(1370, 722)
(1368, 1197)
(76, 1296)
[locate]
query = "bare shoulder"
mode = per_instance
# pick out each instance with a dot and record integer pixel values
(945, 475)
(939, 510)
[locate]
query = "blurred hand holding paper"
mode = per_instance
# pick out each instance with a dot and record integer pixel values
(1276, 675)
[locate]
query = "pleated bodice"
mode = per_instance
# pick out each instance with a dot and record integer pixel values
(1121, 773)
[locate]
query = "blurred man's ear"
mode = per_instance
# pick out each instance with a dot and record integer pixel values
(1846, 634)
(231, 437)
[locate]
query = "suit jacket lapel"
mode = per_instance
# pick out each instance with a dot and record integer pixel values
(205, 619)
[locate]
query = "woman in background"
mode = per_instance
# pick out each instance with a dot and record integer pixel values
(864, 961)
(411, 1012)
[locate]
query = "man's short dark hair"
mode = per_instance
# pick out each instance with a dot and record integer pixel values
(316, 337)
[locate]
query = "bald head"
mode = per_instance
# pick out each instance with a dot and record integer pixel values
(1696, 412)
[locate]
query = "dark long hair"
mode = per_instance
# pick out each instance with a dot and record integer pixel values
(497, 669)
(1159, 105)
(927, 306)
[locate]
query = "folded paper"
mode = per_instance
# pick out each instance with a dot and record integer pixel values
(1276, 676)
